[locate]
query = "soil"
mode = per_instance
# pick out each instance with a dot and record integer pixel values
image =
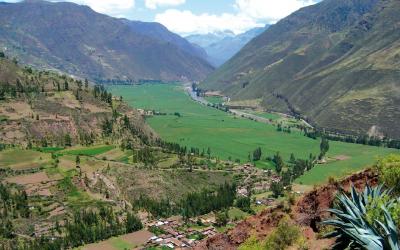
(35, 178)
(138, 238)
(105, 245)
(309, 210)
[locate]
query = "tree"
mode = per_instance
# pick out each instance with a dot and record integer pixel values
(209, 152)
(292, 158)
(257, 154)
(78, 160)
(277, 189)
(279, 164)
(221, 218)
(67, 140)
(132, 223)
(324, 147)
(86, 84)
(66, 87)
(243, 203)
(2, 55)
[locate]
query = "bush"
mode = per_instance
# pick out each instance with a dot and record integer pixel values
(285, 235)
(375, 212)
(243, 203)
(389, 172)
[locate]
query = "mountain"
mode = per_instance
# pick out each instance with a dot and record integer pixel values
(205, 40)
(335, 62)
(222, 46)
(223, 50)
(43, 108)
(160, 32)
(74, 39)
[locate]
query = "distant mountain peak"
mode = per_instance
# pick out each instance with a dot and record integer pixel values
(221, 46)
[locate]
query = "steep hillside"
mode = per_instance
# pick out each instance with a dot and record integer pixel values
(46, 109)
(336, 63)
(76, 40)
(159, 32)
(221, 50)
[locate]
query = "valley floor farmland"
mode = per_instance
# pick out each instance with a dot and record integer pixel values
(233, 137)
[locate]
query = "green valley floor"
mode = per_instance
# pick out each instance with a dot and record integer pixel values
(228, 137)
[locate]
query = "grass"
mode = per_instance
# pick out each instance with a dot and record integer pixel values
(214, 99)
(235, 213)
(49, 149)
(23, 159)
(119, 244)
(89, 151)
(271, 116)
(233, 137)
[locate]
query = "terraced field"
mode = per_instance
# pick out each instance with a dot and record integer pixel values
(231, 137)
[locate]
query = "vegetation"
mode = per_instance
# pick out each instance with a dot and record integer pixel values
(389, 171)
(285, 235)
(193, 204)
(273, 64)
(228, 137)
(353, 229)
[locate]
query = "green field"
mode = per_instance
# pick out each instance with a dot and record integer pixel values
(19, 159)
(89, 151)
(233, 137)
(214, 99)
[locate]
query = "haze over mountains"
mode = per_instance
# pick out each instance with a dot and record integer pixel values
(76, 40)
(336, 62)
(221, 46)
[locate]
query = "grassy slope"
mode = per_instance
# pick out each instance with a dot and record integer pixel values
(204, 127)
(332, 61)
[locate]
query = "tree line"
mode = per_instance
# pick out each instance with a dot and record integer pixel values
(192, 204)
(86, 226)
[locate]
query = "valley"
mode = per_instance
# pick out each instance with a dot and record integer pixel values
(233, 137)
(199, 125)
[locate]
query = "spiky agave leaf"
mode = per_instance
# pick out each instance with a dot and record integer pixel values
(351, 227)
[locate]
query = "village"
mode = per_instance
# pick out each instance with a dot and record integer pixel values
(176, 233)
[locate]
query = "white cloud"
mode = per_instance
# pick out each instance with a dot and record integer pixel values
(270, 10)
(153, 4)
(185, 22)
(249, 14)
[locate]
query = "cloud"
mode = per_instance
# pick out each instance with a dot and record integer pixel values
(270, 10)
(153, 4)
(249, 14)
(185, 22)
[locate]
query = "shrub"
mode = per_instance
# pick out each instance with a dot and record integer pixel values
(285, 235)
(389, 171)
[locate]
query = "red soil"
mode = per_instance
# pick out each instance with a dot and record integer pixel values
(307, 213)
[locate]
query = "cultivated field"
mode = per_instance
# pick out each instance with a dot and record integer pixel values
(23, 159)
(235, 137)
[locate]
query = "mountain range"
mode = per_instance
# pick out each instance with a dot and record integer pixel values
(336, 63)
(221, 46)
(76, 40)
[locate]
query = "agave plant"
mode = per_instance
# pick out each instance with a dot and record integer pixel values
(353, 230)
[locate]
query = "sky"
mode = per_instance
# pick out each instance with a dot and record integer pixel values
(187, 17)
